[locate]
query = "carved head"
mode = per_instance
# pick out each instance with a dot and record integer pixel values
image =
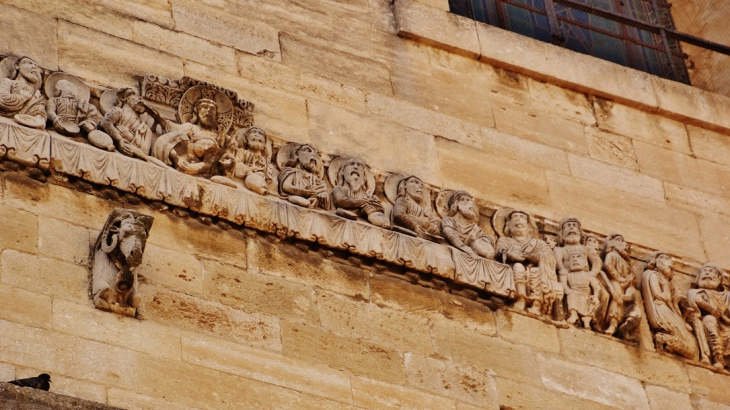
(255, 139)
(552, 241)
(125, 233)
(577, 262)
(354, 174)
(205, 114)
(616, 242)
(591, 242)
(463, 203)
(411, 187)
(65, 88)
(308, 158)
(710, 276)
(661, 262)
(127, 96)
(570, 232)
(27, 68)
(518, 224)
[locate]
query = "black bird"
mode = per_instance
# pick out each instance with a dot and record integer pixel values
(43, 382)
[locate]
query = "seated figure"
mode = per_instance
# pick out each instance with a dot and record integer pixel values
(300, 180)
(20, 97)
(248, 162)
(708, 297)
(412, 208)
(66, 109)
(460, 227)
(353, 192)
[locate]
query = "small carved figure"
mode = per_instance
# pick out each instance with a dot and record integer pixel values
(20, 97)
(248, 162)
(534, 262)
(581, 290)
(591, 242)
(68, 106)
(301, 178)
(624, 312)
(115, 256)
(666, 309)
(551, 240)
(412, 210)
(708, 298)
(460, 227)
(353, 192)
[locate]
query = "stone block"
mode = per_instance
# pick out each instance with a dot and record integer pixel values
(592, 384)
(267, 367)
(542, 127)
(424, 120)
(372, 394)
(28, 34)
(661, 399)
(90, 323)
(641, 220)
(511, 146)
(511, 182)
(709, 385)
(245, 34)
(616, 177)
(702, 404)
(460, 344)
(436, 27)
(709, 145)
(362, 320)
(67, 386)
(382, 17)
(129, 400)
(318, 57)
(641, 125)
(684, 102)
(178, 271)
(280, 113)
(303, 83)
(344, 132)
(309, 268)
(185, 312)
(62, 240)
(256, 293)
(519, 396)
(561, 101)
(26, 346)
(45, 276)
(20, 230)
(439, 4)
(358, 357)
(185, 46)
(612, 148)
(589, 348)
(563, 67)
(521, 329)
(7, 371)
(716, 238)
(465, 383)
(695, 200)
(286, 399)
(108, 60)
(26, 308)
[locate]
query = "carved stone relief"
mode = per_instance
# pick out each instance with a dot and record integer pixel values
(413, 213)
(352, 194)
(20, 96)
(68, 107)
(711, 318)
(301, 180)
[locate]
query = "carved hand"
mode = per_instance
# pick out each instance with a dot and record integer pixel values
(126, 148)
(86, 126)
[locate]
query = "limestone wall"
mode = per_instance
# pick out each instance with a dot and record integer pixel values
(235, 318)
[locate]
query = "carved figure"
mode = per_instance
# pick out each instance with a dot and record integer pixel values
(300, 180)
(551, 240)
(709, 299)
(247, 162)
(623, 312)
(352, 194)
(534, 263)
(412, 211)
(591, 242)
(20, 97)
(68, 106)
(115, 256)
(460, 227)
(666, 310)
(581, 290)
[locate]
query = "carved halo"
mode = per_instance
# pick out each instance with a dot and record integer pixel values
(222, 102)
(336, 165)
(285, 156)
(391, 186)
(442, 202)
(499, 220)
(7, 70)
(108, 100)
(83, 92)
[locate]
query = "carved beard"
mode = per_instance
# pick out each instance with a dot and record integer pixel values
(208, 122)
(256, 146)
(356, 185)
(572, 238)
(467, 212)
(518, 230)
(623, 252)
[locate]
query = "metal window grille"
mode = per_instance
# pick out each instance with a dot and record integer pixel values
(634, 33)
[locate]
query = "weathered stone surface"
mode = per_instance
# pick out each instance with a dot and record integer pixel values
(684, 102)
(306, 267)
(613, 148)
(26, 308)
(244, 34)
(511, 181)
(519, 396)
(592, 384)
(129, 400)
(521, 329)
(74, 247)
(20, 230)
(337, 65)
(661, 399)
(589, 348)
(286, 399)
(104, 59)
(46, 276)
(510, 146)
(561, 101)
(716, 238)
(14, 397)
(616, 177)
(693, 200)
(709, 385)
(194, 314)
(424, 120)
(541, 127)
(358, 357)
(82, 389)
(642, 220)
(709, 145)
(7, 371)
(466, 383)
(348, 133)
(28, 34)
(641, 125)
(372, 394)
(702, 404)
(437, 27)
(178, 271)
(266, 367)
(440, 4)
(382, 326)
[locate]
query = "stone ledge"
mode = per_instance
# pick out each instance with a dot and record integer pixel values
(24, 398)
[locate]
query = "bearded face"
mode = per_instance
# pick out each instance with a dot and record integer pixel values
(518, 224)
(134, 101)
(664, 263)
(28, 69)
(571, 232)
(414, 189)
(256, 141)
(208, 115)
(309, 159)
(353, 173)
(619, 245)
(709, 278)
(466, 207)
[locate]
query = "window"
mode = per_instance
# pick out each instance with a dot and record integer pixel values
(632, 33)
